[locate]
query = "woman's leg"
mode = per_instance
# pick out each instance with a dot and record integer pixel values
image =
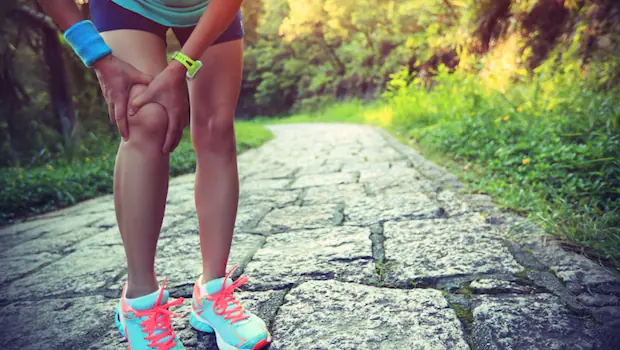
(213, 100)
(141, 172)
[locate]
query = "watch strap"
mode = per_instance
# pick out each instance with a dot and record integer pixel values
(192, 65)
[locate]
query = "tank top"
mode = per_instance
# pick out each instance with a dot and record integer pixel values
(170, 13)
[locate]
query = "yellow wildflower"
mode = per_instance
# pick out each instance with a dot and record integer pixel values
(87, 159)
(506, 118)
(50, 167)
(519, 109)
(526, 161)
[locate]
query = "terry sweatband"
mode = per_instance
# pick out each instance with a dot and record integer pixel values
(86, 42)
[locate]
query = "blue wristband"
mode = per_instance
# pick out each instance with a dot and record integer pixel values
(86, 42)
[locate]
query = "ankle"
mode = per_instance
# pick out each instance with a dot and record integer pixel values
(139, 291)
(206, 278)
(138, 288)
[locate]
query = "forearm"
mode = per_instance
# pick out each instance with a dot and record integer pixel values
(64, 12)
(213, 22)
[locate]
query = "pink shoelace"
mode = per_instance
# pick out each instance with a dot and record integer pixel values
(158, 319)
(224, 302)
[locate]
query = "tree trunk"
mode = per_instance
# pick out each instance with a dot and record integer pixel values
(12, 98)
(60, 94)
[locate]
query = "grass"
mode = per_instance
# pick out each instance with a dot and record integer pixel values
(547, 149)
(60, 183)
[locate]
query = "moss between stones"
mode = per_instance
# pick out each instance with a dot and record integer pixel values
(524, 273)
(381, 268)
(465, 290)
(466, 316)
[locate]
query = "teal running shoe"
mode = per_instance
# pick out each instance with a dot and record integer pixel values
(146, 322)
(215, 309)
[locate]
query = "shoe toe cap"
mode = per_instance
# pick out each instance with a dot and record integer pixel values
(258, 342)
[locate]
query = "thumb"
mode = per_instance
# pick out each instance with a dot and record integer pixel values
(140, 100)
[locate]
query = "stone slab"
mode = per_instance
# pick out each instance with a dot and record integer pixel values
(14, 267)
(434, 249)
(575, 270)
(494, 286)
(324, 180)
(333, 194)
(296, 218)
(539, 321)
(395, 181)
(342, 253)
(261, 185)
(347, 316)
(326, 168)
(250, 216)
(36, 229)
(51, 242)
(361, 167)
(85, 270)
(54, 323)
(274, 197)
(371, 210)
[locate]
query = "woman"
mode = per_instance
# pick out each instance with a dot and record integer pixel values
(148, 100)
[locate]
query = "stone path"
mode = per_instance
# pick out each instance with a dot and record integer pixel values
(351, 241)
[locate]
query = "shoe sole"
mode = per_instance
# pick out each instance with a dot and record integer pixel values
(203, 325)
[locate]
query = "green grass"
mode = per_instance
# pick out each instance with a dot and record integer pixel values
(344, 112)
(60, 183)
(547, 149)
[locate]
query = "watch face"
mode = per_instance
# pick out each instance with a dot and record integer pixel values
(197, 67)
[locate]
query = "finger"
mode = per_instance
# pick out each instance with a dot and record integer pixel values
(142, 78)
(177, 141)
(121, 121)
(140, 100)
(111, 112)
(171, 135)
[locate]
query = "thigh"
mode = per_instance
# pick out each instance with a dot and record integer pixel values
(215, 90)
(145, 51)
(132, 37)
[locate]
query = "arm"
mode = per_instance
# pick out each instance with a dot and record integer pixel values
(64, 12)
(116, 77)
(213, 22)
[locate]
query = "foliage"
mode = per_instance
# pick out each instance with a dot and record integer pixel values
(309, 53)
(548, 148)
(60, 183)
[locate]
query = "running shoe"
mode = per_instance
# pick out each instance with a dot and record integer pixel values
(215, 309)
(145, 321)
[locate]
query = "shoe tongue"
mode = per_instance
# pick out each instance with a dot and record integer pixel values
(148, 301)
(214, 286)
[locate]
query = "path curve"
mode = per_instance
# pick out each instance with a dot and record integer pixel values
(350, 240)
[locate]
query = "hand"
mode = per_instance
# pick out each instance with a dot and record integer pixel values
(169, 89)
(116, 78)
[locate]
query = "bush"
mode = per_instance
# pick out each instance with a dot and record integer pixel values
(60, 183)
(548, 147)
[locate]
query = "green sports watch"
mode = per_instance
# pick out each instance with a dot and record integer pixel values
(192, 66)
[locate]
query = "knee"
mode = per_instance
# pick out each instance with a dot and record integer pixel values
(147, 128)
(214, 134)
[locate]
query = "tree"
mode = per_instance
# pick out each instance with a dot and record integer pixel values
(23, 24)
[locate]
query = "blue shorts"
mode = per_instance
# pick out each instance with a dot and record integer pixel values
(107, 16)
